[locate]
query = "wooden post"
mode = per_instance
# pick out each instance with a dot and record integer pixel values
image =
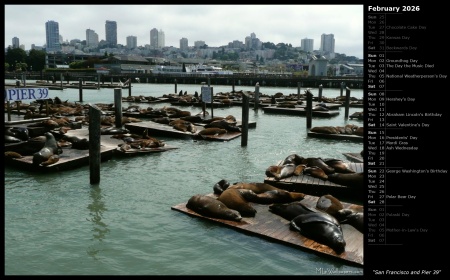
(61, 79)
(342, 88)
(234, 82)
(244, 128)
(112, 80)
(8, 106)
(24, 79)
(98, 81)
(308, 109)
(176, 86)
(212, 101)
(94, 144)
(319, 99)
(347, 102)
(299, 85)
(118, 106)
(203, 103)
(18, 107)
(256, 97)
(80, 88)
(47, 109)
(129, 87)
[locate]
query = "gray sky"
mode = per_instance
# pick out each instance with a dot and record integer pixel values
(217, 25)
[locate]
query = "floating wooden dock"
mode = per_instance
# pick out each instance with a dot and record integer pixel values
(299, 111)
(271, 226)
(350, 137)
(314, 186)
(74, 158)
(156, 129)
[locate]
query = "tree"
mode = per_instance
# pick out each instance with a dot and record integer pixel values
(36, 60)
(14, 56)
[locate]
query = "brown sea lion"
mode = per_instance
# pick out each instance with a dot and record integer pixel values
(281, 171)
(255, 187)
(11, 154)
(352, 180)
(325, 129)
(238, 199)
(220, 186)
(338, 165)
(316, 172)
(294, 158)
(212, 131)
(277, 196)
(211, 207)
(51, 160)
(319, 163)
(329, 204)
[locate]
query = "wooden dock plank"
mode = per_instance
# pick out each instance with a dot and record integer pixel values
(336, 136)
(299, 111)
(355, 157)
(268, 225)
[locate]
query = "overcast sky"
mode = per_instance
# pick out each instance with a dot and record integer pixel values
(217, 25)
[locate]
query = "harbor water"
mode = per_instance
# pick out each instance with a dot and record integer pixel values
(60, 224)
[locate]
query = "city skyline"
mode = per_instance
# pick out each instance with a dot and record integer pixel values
(283, 23)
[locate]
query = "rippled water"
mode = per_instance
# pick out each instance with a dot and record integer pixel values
(60, 224)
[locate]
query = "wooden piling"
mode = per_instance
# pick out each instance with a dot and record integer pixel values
(347, 102)
(319, 98)
(308, 109)
(80, 89)
(129, 87)
(8, 107)
(176, 86)
(118, 106)
(256, 97)
(298, 90)
(244, 127)
(94, 144)
(342, 88)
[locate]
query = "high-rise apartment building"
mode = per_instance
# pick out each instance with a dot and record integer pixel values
(161, 39)
(131, 42)
(52, 36)
(154, 38)
(157, 39)
(184, 44)
(307, 45)
(15, 43)
(327, 43)
(91, 38)
(111, 33)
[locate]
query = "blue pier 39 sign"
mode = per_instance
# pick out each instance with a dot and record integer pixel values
(19, 94)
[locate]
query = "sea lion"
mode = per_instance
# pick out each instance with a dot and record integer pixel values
(238, 199)
(322, 228)
(224, 125)
(10, 154)
(319, 163)
(277, 196)
(211, 207)
(352, 180)
(220, 186)
(315, 172)
(212, 131)
(281, 171)
(325, 129)
(351, 217)
(290, 210)
(329, 204)
(50, 148)
(338, 165)
(255, 187)
(294, 158)
(51, 160)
